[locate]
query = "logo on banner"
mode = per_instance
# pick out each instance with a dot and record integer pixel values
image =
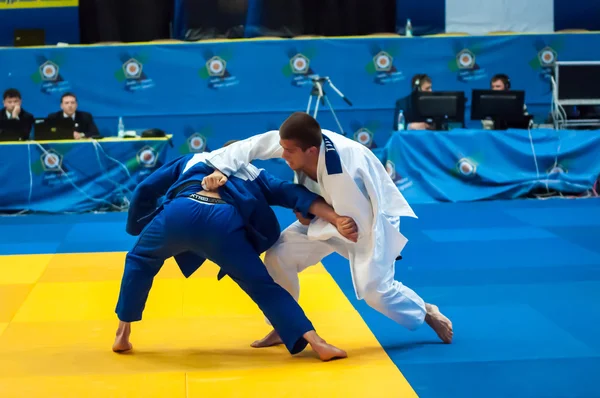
(299, 67)
(196, 143)
(364, 136)
(132, 72)
(557, 169)
(390, 167)
(465, 64)
(215, 71)
(147, 157)
(382, 66)
(50, 165)
(365, 133)
(48, 75)
(51, 161)
(196, 140)
(401, 183)
(545, 58)
(466, 167)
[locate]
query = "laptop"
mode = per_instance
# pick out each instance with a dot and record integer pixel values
(29, 37)
(11, 130)
(53, 129)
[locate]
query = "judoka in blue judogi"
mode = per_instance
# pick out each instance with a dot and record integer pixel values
(230, 228)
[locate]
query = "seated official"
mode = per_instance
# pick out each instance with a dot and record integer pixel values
(500, 82)
(419, 82)
(84, 121)
(12, 110)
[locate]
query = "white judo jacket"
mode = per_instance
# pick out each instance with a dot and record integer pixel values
(355, 183)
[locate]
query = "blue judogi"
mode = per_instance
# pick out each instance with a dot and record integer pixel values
(232, 233)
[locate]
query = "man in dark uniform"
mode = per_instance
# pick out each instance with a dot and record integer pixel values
(14, 119)
(84, 121)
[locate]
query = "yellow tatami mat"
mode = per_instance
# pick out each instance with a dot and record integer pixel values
(57, 325)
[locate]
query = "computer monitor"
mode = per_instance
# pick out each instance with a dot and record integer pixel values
(505, 108)
(578, 83)
(441, 107)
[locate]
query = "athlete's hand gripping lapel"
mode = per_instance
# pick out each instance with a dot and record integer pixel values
(213, 181)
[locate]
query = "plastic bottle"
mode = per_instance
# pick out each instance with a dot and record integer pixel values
(121, 128)
(401, 121)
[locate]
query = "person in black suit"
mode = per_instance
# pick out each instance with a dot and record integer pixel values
(419, 82)
(501, 82)
(84, 121)
(12, 111)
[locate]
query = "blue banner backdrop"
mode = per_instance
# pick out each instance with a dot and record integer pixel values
(266, 76)
(468, 165)
(75, 176)
(240, 88)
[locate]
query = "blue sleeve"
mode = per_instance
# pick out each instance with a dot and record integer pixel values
(286, 194)
(149, 191)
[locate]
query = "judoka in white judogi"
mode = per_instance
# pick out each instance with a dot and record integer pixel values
(355, 183)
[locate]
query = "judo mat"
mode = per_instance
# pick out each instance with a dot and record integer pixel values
(520, 281)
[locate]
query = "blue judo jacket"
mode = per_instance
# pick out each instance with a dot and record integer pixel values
(251, 191)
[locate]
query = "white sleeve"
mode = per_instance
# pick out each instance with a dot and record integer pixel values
(347, 199)
(232, 158)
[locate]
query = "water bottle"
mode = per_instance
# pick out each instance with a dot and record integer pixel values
(408, 28)
(121, 128)
(401, 121)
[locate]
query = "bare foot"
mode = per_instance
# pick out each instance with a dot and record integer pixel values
(122, 343)
(269, 340)
(439, 323)
(325, 351)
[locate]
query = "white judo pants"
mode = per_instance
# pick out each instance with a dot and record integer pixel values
(294, 252)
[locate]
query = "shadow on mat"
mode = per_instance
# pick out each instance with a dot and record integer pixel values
(395, 347)
(198, 358)
(201, 359)
(55, 362)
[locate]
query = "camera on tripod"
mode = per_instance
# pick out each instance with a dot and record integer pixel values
(318, 92)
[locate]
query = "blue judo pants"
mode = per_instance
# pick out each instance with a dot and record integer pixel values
(215, 232)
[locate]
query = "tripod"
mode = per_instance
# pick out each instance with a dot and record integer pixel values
(319, 94)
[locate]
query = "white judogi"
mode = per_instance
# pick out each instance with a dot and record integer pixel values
(355, 183)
